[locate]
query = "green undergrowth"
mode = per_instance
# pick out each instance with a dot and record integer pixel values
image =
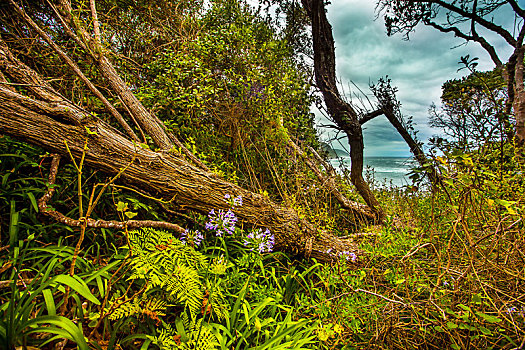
(444, 271)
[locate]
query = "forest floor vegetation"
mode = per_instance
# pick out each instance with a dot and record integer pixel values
(446, 270)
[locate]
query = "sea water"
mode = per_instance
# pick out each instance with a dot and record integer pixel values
(383, 170)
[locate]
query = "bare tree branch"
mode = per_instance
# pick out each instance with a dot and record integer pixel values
(369, 116)
(76, 70)
(516, 7)
(482, 41)
(96, 28)
(89, 222)
(482, 21)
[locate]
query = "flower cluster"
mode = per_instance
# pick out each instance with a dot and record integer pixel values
(348, 255)
(345, 254)
(513, 311)
(262, 241)
(234, 202)
(221, 222)
(194, 238)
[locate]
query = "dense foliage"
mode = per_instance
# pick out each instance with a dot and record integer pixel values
(228, 89)
(473, 112)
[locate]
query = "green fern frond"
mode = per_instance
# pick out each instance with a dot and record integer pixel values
(151, 307)
(165, 340)
(173, 271)
(217, 301)
(183, 284)
(148, 239)
(199, 335)
(188, 256)
(169, 265)
(125, 310)
(166, 248)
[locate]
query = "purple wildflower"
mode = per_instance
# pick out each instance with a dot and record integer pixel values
(233, 202)
(262, 241)
(221, 222)
(211, 224)
(193, 237)
(197, 238)
(348, 255)
(184, 236)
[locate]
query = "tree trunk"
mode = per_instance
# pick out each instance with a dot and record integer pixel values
(360, 212)
(518, 104)
(340, 111)
(415, 148)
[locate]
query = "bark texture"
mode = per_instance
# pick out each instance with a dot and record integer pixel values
(159, 173)
(515, 83)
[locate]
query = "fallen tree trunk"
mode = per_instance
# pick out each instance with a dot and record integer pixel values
(59, 126)
(161, 174)
(34, 112)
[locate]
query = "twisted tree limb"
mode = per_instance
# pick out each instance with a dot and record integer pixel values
(341, 112)
(94, 223)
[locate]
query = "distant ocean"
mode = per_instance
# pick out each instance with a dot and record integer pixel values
(383, 169)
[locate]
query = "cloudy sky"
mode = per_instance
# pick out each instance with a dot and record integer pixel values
(418, 67)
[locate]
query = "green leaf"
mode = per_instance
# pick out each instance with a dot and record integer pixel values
(13, 224)
(488, 318)
(130, 214)
(74, 332)
(33, 200)
(78, 286)
(485, 331)
(467, 327)
(476, 298)
(449, 182)
(122, 206)
(50, 302)
(451, 325)
(464, 307)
